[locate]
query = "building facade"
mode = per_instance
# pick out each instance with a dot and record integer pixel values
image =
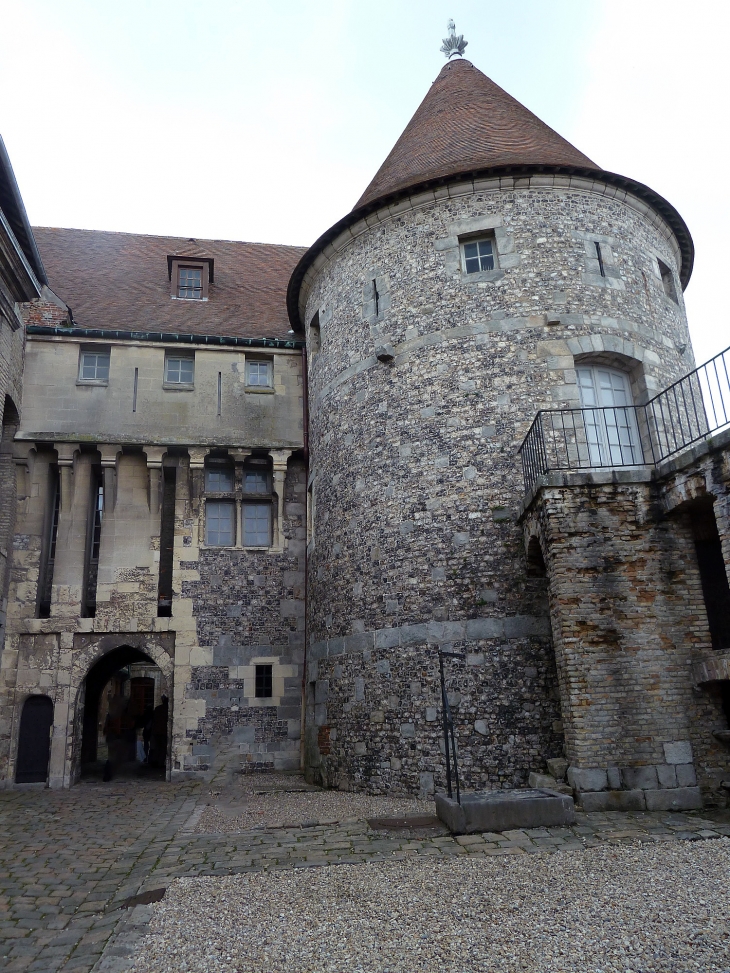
(286, 479)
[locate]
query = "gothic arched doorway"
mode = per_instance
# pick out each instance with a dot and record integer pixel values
(34, 741)
(125, 716)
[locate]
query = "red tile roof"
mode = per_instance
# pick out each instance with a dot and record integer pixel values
(119, 281)
(465, 123)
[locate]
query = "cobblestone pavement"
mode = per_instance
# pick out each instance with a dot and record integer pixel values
(70, 859)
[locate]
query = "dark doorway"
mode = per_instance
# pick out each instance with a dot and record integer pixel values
(125, 718)
(713, 576)
(34, 742)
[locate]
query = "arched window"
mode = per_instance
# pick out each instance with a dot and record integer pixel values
(609, 416)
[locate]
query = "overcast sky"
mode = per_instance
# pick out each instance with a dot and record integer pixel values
(245, 121)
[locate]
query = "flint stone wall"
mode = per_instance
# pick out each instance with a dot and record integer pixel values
(415, 478)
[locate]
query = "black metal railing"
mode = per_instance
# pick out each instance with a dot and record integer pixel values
(637, 435)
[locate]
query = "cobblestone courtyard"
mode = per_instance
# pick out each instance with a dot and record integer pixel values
(70, 860)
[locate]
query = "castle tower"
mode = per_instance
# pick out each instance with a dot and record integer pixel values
(489, 270)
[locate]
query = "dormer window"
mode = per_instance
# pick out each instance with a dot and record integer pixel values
(189, 277)
(190, 283)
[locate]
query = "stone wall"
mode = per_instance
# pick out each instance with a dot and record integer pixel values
(231, 607)
(415, 479)
(640, 682)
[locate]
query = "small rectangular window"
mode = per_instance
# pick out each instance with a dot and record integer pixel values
(190, 283)
(668, 281)
(256, 481)
(94, 366)
(264, 682)
(259, 374)
(256, 524)
(218, 480)
(478, 256)
(179, 369)
(220, 523)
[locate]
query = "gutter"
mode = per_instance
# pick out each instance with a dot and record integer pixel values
(161, 336)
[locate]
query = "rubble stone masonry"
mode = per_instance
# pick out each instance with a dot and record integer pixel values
(425, 384)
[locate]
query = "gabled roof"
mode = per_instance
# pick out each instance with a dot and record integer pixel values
(467, 122)
(120, 282)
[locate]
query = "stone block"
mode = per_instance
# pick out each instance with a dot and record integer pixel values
(587, 778)
(686, 776)
(679, 752)
(360, 748)
(612, 800)
(557, 768)
(674, 799)
(244, 734)
(505, 810)
(614, 778)
(480, 727)
(408, 730)
(667, 775)
(425, 784)
(320, 714)
(321, 690)
(431, 714)
(639, 777)
(377, 716)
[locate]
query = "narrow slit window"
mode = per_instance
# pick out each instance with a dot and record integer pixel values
(94, 543)
(220, 391)
(668, 281)
(599, 256)
(713, 577)
(134, 391)
(315, 337)
(45, 582)
(376, 298)
(478, 256)
(264, 682)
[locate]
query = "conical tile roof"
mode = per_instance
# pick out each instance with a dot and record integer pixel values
(466, 123)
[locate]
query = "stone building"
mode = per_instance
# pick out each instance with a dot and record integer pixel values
(203, 452)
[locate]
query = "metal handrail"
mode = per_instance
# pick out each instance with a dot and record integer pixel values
(596, 437)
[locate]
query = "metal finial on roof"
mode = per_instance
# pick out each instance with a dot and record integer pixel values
(454, 43)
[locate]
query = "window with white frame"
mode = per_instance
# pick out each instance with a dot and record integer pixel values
(259, 374)
(220, 523)
(478, 255)
(94, 365)
(609, 417)
(179, 369)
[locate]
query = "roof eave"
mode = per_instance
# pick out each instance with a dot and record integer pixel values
(11, 202)
(643, 192)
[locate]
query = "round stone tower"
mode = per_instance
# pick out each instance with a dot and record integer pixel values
(488, 270)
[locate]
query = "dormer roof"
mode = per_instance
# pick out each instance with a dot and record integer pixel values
(467, 123)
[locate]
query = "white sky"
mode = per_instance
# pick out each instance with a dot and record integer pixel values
(223, 119)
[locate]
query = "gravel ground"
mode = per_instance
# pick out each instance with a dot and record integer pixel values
(623, 908)
(285, 801)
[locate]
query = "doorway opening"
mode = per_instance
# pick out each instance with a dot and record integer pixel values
(125, 721)
(34, 741)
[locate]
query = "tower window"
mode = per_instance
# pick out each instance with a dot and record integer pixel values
(218, 480)
(264, 682)
(599, 255)
(478, 256)
(668, 281)
(256, 481)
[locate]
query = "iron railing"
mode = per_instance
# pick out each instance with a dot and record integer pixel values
(638, 435)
